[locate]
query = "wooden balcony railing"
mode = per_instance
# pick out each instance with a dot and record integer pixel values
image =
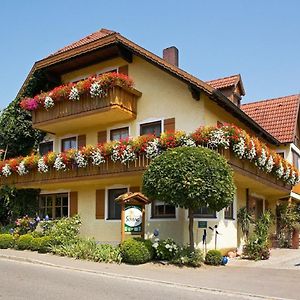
(110, 169)
(118, 97)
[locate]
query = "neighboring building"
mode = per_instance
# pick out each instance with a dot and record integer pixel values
(280, 117)
(164, 98)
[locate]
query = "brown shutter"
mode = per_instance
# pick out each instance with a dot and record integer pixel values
(134, 189)
(81, 140)
(100, 204)
(169, 124)
(123, 70)
(102, 137)
(73, 203)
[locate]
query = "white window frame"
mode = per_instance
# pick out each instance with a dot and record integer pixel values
(218, 217)
(66, 137)
(118, 126)
(60, 191)
(150, 219)
(150, 120)
(112, 187)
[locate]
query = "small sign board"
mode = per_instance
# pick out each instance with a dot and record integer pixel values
(202, 224)
(133, 219)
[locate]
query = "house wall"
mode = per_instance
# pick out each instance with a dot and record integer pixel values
(163, 97)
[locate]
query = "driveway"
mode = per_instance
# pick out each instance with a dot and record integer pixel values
(280, 259)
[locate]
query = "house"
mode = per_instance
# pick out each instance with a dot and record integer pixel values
(164, 98)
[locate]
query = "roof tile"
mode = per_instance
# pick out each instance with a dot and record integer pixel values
(224, 82)
(278, 116)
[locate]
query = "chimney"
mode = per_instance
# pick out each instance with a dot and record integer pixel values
(171, 55)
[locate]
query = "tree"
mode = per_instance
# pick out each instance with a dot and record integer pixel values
(190, 178)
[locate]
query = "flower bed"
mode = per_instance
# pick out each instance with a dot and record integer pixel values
(228, 136)
(96, 86)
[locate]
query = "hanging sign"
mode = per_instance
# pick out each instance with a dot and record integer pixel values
(133, 218)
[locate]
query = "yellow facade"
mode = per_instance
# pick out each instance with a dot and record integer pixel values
(163, 97)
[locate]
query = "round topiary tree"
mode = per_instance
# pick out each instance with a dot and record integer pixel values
(190, 177)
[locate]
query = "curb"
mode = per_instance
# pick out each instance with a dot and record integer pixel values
(239, 295)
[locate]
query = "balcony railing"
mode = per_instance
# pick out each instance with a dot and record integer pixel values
(110, 169)
(119, 101)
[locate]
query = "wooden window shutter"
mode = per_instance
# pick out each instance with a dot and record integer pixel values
(123, 70)
(102, 137)
(81, 141)
(134, 189)
(73, 204)
(169, 124)
(100, 204)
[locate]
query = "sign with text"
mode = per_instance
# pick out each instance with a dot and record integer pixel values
(202, 224)
(133, 218)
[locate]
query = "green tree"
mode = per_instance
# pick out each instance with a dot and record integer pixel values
(190, 178)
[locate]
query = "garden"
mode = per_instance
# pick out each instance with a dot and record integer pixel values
(61, 237)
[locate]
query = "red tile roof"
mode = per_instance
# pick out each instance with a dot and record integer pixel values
(277, 116)
(89, 38)
(224, 82)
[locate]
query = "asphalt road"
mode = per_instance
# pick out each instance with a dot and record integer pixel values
(21, 280)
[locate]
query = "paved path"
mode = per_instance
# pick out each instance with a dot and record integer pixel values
(230, 282)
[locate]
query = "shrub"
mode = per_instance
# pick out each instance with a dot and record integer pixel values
(24, 242)
(6, 241)
(63, 231)
(256, 250)
(135, 251)
(186, 257)
(24, 225)
(213, 257)
(107, 253)
(41, 244)
(165, 249)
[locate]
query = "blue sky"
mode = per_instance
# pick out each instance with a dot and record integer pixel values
(258, 39)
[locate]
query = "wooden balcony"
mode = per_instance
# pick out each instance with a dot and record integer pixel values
(246, 174)
(119, 105)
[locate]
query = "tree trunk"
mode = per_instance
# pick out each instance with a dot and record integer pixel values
(191, 229)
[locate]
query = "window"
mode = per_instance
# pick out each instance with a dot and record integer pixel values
(160, 209)
(114, 208)
(69, 143)
(205, 213)
(45, 147)
(54, 205)
(228, 212)
(281, 154)
(119, 134)
(151, 128)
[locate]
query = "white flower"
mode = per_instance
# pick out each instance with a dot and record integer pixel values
(124, 155)
(155, 245)
(152, 149)
(74, 94)
(287, 174)
(80, 160)
(187, 141)
(251, 154)
(48, 103)
(261, 161)
(97, 157)
(217, 139)
(280, 170)
(270, 164)
(239, 148)
(96, 90)
(42, 167)
(59, 164)
(292, 179)
(21, 169)
(6, 170)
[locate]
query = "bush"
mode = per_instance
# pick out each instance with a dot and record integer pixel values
(165, 249)
(213, 257)
(6, 241)
(254, 249)
(186, 257)
(24, 225)
(24, 242)
(88, 249)
(135, 251)
(63, 231)
(41, 244)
